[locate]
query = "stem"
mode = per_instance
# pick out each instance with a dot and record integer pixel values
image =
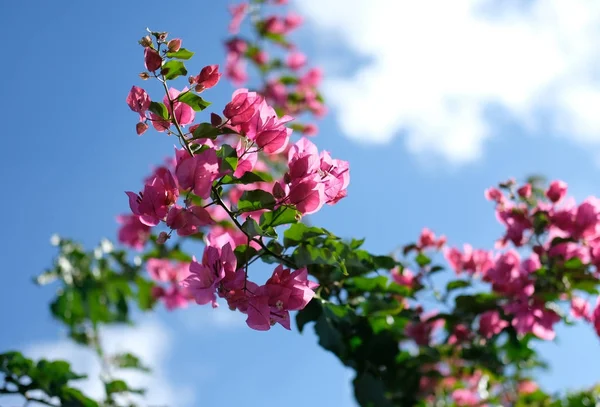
(233, 217)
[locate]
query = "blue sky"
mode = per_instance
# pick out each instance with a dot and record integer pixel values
(70, 151)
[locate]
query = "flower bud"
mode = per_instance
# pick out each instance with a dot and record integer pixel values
(215, 119)
(162, 238)
(174, 45)
(144, 75)
(278, 191)
(556, 191)
(158, 292)
(146, 41)
(524, 191)
(141, 128)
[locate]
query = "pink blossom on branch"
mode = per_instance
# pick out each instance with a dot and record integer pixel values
(132, 232)
(152, 205)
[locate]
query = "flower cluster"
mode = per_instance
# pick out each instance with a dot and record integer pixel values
(288, 84)
(266, 305)
(206, 190)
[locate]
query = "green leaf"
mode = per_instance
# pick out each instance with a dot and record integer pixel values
(159, 109)
(181, 54)
(329, 337)
(455, 285)
(194, 101)
(288, 80)
(255, 200)
(120, 386)
(299, 233)
(281, 216)
(476, 304)
(145, 299)
(74, 397)
(310, 313)
(369, 391)
(368, 284)
(244, 253)
(206, 130)
(384, 262)
(422, 260)
(172, 69)
(251, 228)
(573, 263)
(247, 178)
(129, 361)
(229, 158)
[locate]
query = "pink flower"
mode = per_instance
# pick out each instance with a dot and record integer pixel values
(464, 397)
(238, 13)
(163, 270)
(490, 324)
(261, 57)
(428, 239)
(292, 21)
(235, 69)
(524, 191)
(209, 76)
(307, 195)
(184, 114)
(556, 191)
(527, 387)
(198, 172)
(422, 331)
(138, 101)
(296, 60)
(132, 232)
(303, 159)
(152, 59)
(532, 317)
(335, 176)
(175, 297)
(510, 276)
(236, 46)
(494, 194)
(160, 192)
(274, 25)
(596, 317)
(204, 277)
(459, 335)
(405, 278)
(312, 78)
(310, 130)
(517, 222)
(285, 291)
(267, 130)
(188, 221)
(246, 159)
(243, 107)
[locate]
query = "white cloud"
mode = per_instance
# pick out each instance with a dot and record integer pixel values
(150, 341)
(433, 66)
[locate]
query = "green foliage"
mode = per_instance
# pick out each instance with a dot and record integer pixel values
(193, 100)
(255, 200)
(172, 69)
(182, 53)
(50, 378)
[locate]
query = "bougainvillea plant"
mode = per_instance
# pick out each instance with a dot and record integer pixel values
(237, 188)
